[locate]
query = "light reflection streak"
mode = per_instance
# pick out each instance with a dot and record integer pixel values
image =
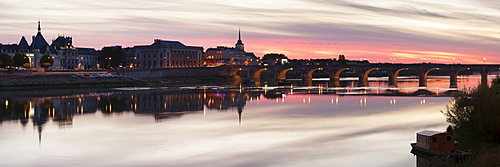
(422, 102)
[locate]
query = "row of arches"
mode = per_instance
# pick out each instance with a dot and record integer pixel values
(335, 74)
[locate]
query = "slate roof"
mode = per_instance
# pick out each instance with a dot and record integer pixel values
(39, 41)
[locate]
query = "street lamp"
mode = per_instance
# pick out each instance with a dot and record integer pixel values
(393, 60)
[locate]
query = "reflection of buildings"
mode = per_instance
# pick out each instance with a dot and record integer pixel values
(166, 105)
(228, 100)
(162, 105)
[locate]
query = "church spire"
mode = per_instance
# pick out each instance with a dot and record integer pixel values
(239, 43)
(39, 28)
(239, 34)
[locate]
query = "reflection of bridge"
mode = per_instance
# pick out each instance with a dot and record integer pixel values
(362, 71)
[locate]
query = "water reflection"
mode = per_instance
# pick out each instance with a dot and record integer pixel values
(280, 126)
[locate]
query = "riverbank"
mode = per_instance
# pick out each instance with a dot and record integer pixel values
(74, 80)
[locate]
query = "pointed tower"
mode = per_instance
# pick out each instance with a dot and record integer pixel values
(39, 43)
(39, 28)
(23, 43)
(239, 44)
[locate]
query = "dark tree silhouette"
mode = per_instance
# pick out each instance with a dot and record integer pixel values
(112, 57)
(5, 60)
(21, 60)
(274, 56)
(475, 121)
(46, 61)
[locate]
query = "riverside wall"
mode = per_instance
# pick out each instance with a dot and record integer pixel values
(171, 73)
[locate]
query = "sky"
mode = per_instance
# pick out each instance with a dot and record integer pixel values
(386, 31)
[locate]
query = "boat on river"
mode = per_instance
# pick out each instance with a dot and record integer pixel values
(434, 143)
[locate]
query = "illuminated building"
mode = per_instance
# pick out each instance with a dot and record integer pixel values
(229, 55)
(167, 54)
(65, 55)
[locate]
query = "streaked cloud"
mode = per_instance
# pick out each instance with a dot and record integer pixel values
(298, 28)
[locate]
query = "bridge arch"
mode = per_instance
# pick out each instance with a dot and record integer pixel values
(484, 75)
(422, 78)
(454, 76)
(282, 74)
(363, 78)
(308, 75)
(234, 73)
(393, 77)
(256, 75)
(335, 76)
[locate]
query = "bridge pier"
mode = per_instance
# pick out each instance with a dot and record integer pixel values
(363, 77)
(335, 77)
(484, 77)
(393, 77)
(422, 76)
(453, 80)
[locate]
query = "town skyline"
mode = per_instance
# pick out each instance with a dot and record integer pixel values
(383, 31)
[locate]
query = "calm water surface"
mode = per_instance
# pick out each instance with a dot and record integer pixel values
(219, 127)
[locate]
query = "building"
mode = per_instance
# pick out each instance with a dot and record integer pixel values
(34, 52)
(436, 141)
(88, 59)
(64, 54)
(38, 47)
(167, 54)
(223, 55)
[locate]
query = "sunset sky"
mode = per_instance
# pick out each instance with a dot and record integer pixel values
(444, 31)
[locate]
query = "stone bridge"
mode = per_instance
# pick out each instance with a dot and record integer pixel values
(362, 71)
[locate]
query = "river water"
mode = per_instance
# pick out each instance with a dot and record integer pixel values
(215, 126)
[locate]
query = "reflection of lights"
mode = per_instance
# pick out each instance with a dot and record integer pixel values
(362, 102)
(392, 101)
(422, 102)
(204, 111)
(453, 102)
(32, 110)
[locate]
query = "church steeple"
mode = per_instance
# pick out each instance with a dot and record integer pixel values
(239, 43)
(39, 28)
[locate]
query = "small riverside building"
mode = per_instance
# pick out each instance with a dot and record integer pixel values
(436, 141)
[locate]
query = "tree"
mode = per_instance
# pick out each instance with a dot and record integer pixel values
(46, 61)
(21, 60)
(5, 60)
(342, 59)
(474, 119)
(112, 57)
(274, 56)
